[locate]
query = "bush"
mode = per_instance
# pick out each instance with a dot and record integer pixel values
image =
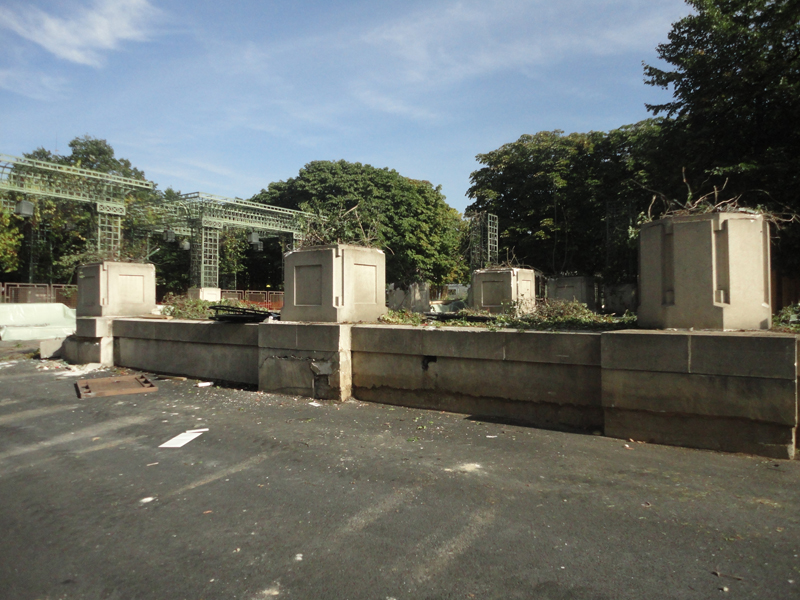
(788, 319)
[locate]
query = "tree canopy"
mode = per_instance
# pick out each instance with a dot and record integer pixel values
(571, 203)
(420, 233)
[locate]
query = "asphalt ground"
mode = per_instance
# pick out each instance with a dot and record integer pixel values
(285, 499)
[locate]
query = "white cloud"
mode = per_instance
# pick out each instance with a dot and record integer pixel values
(86, 36)
(34, 85)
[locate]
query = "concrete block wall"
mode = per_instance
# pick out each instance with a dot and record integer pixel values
(735, 392)
(305, 359)
(541, 378)
(202, 349)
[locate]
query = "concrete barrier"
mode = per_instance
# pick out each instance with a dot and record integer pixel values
(735, 392)
(202, 349)
(305, 359)
(542, 378)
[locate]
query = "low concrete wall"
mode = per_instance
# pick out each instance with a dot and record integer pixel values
(735, 392)
(545, 379)
(202, 349)
(305, 359)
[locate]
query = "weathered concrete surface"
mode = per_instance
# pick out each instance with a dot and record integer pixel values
(302, 359)
(542, 378)
(280, 499)
(581, 289)
(116, 289)
(81, 351)
(203, 349)
(734, 392)
(496, 290)
(334, 284)
(705, 271)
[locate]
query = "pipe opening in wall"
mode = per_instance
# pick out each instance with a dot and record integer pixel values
(426, 360)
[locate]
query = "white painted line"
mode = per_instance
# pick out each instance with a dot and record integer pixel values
(181, 440)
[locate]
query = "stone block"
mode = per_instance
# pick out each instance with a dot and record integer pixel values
(108, 289)
(82, 351)
(533, 382)
(538, 414)
(633, 350)
(752, 398)
(94, 327)
(305, 359)
(415, 297)
(620, 298)
(387, 339)
(334, 284)
(705, 272)
(495, 290)
(51, 348)
(745, 355)
(189, 331)
(463, 343)
(208, 294)
(571, 348)
(580, 289)
(220, 362)
(694, 431)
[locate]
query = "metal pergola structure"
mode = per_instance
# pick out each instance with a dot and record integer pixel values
(197, 215)
(107, 192)
(483, 240)
(207, 215)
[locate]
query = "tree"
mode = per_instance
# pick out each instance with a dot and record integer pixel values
(736, 93)
(417, 229)
(567, 203)
(10, 243)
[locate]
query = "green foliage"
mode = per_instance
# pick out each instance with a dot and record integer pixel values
(420, 233)
(182, 307)
(788, 319)
(567, 203)
(735, 77)
(10, 242)
(548, 315)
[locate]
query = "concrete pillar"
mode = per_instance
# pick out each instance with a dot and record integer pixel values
(705, 272)
(334, 284)
(495, 290)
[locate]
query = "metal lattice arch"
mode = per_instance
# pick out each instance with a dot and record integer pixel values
(199, 215)
(38, 178)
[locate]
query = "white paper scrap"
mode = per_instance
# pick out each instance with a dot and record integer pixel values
(181, 440)
(205, 384)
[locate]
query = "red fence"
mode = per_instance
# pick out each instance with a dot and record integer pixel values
(269, 300)
(28, 293)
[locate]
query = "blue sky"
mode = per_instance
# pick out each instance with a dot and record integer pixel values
(226, 97)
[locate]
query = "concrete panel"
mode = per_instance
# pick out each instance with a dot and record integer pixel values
(200, 332)
(82, 351)
(51, 348)
(464, 343)
(553, 347)
(116, 289)
(745, 355)
(335, 284)
(757, 399)
(693, 431)
(558, 384)
(705, 272)
(208, 294)
(416, 297)
(387, 339)
(580, 289)
(537, 414)
(495, 290)
(646, 351)
(232, 363)
(94, 327)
